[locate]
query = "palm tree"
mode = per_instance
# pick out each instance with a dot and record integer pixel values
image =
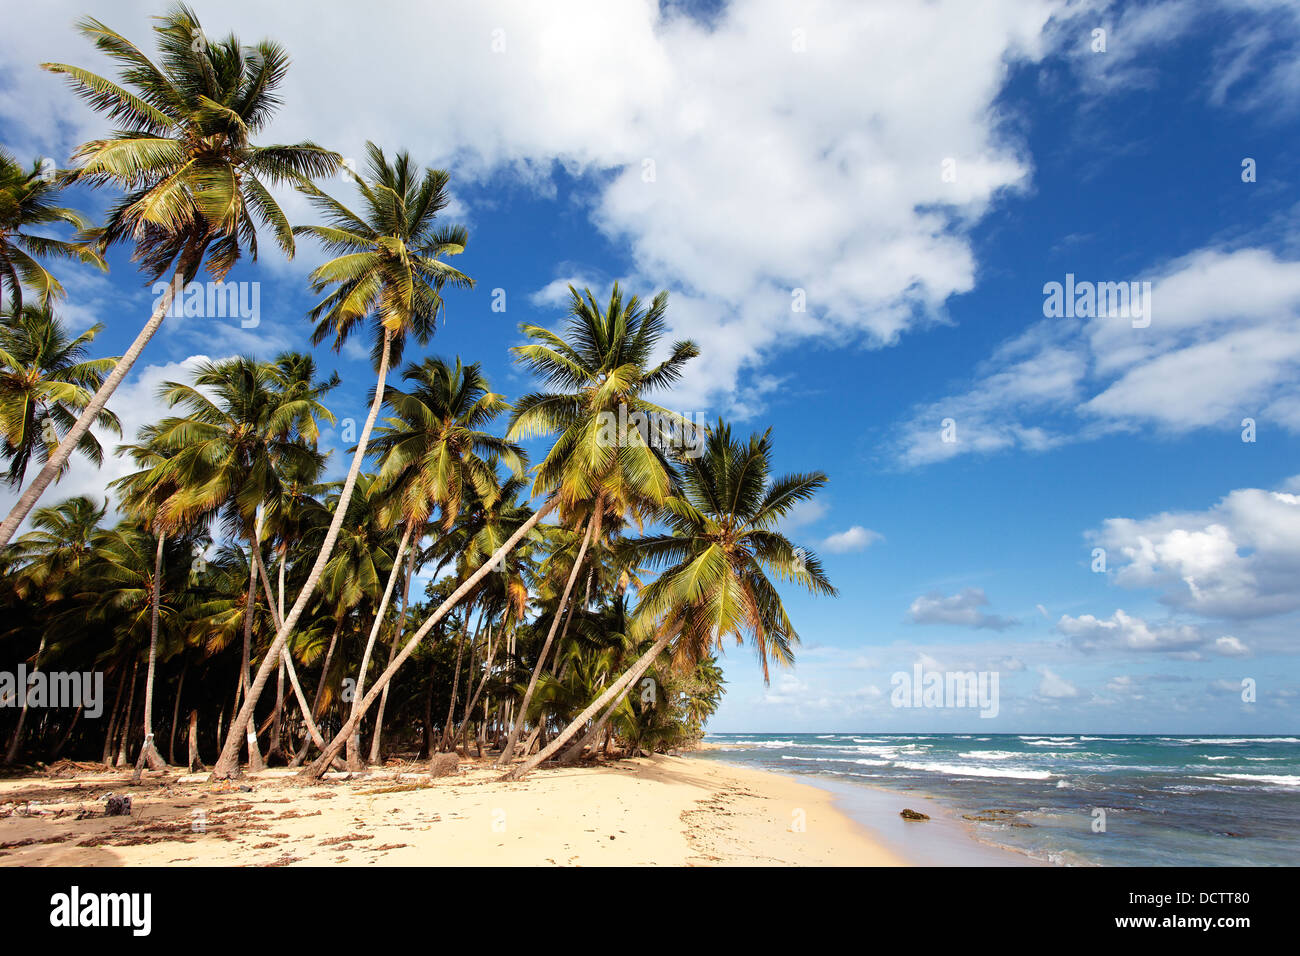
(49, 559)
(196, 185)
(244, 427)
(434, 453)
(26, 201)
(722, 543)
(607, 369)
(603, 372)
(142, 498)
(389, 272)
(45, 381)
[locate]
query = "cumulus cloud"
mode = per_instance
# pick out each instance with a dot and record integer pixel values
(1124, 632)
(1239, 558)
(856, 538)
(964, 609)
(769, 154)
(1054, 688)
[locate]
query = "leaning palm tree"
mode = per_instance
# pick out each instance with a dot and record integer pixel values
(605, 370)
(46, 379)
(598, 467)
(242, 429)
(26, 202)
(389, 273)
(434, 454)
(195, 183)
(722, 542)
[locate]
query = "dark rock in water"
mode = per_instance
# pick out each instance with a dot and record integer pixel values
(909, 814)
(997, 816)
(117, 806)
(443, 765)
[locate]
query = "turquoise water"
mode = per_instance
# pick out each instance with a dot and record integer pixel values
(1074, 799)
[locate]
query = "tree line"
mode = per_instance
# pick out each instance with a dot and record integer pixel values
(574, 604)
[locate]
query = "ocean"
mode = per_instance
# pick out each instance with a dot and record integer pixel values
(1067, 798)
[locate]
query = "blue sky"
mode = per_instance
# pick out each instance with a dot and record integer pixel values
(919, 172)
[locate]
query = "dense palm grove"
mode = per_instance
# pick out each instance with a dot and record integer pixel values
(243, 609)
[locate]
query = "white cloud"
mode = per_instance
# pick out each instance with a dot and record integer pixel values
(790, 147)
(856, 538)
(962, 609)
(1122, 631)
(1229, 646)
(1053, 688)
(1227, 320)
(1239, 558)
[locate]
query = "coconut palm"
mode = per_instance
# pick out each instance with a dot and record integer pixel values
(597, 466)
(196, 185)
(48, 560)
(27, 202)
(606, 369)
(390, 274)
(46, 379)
(721, 543)
(434, 453)
(243, 429)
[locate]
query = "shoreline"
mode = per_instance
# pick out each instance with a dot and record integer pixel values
(943, 840)
(655, 811)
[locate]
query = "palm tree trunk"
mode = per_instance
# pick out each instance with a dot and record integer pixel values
(574, 752)
(392, 651)
(448, 736)
(507, 754)
(176, 715)
(124, 728)
(228, 761)
(320, 690)
(114, 717)
(354, 743)
(148, 751)
(12, 753)
(317, 768)
(487, 670)
(255, 762)
(286, 658)
(186, 268)
(614, 689)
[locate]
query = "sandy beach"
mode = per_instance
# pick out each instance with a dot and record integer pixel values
(657, 811)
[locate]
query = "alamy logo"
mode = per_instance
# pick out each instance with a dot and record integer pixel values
(946, 689)
(665, 431)
(53, 689)
(1087, 300)
(74, 908)
(215, 300)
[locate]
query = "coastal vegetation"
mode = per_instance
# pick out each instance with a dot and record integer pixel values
(572, 605)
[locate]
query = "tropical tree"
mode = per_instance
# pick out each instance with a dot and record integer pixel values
(389, 273)
(434, 454)
(46, 380)
(721, 543)
(245, 425)
(195, 184)
(47, 562)
(607, 369)
(27, 202)
(598, 466)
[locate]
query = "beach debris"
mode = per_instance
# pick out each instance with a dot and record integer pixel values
(115, 806)
(443, 765)
(910, 814)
